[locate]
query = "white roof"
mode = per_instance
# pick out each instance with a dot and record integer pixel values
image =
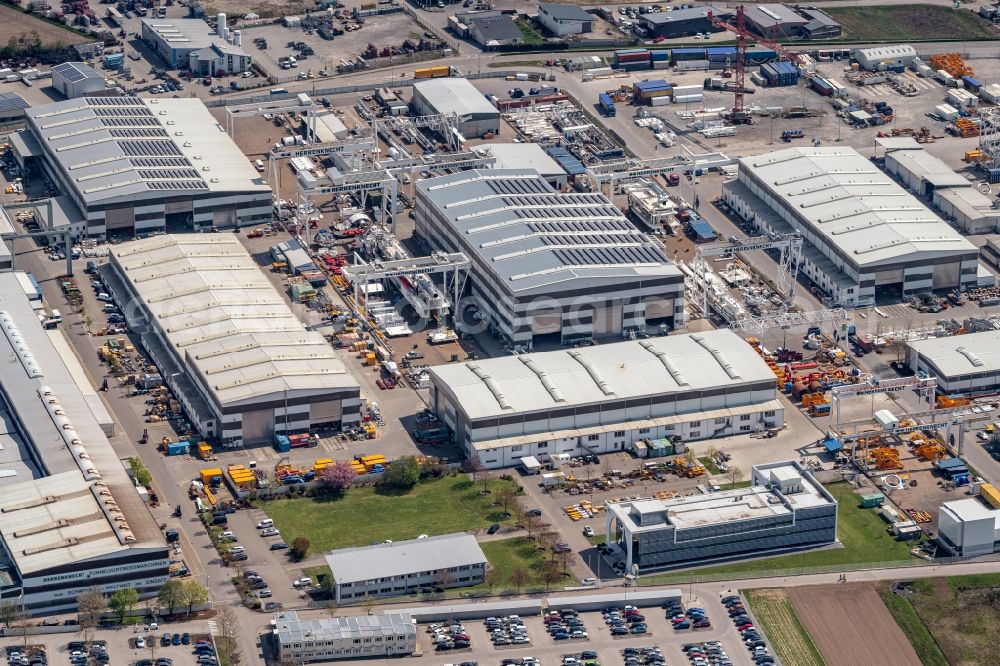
(887, 52)
(969, 201)
(855, 205)
(923, 165)
(970, 509)
(617, 371)
(449, 95)
(958, 355)
(215, 306)
(384, 560)
(329, 127)
(291, 629)
(523, 156)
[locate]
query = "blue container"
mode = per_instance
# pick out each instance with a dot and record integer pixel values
(659, 56)
(760, 56)
(653, 85)
(636, 66)
(689, 53)
(993, 175)
(971, 84)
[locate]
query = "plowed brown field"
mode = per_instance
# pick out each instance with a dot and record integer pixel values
(851, 626)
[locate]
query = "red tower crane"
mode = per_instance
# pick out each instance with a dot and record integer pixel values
(738, 115)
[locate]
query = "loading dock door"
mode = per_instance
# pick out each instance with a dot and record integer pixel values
(119, 218)
(888, 277)
(325, 412)
(946, 276)
(659, 308)
(258, 426)
(608, 320)
(546, 323)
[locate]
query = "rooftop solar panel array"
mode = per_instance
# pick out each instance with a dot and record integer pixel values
(12, 102)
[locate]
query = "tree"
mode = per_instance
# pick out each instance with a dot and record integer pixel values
(735, 474)
(505, 496)
(403, 473)
(10, 613)
(139, 471)
(123, 601)
(475, 467)
(493, 578)
(92, 605)
(88, 322)
(368, 603)
(172, 594)
(194, 594)
(336, 478)
(226, 643)
(519, 578)
(551, 573)
(300, 547)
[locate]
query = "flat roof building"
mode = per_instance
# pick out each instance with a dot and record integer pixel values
(225, 340)
(568, 266)
(603, 399)
(527, 156)
(72, 517)
(193, 45)
(486, 28)
(132, 166)
(865, 236)
(784, 509)
(969, 527)
(476, 116)
(402, 567)
(77, 79)
(683, 22)
(967, 363)
(300, 640)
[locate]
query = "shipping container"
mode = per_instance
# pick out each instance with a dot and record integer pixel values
(971, 84)
(636, 66)
(821, 86)
(722, 54)
(689, 53)
(692, 65)
(432, 72)
(657, 56)
(660, 101)
(606, 104)
(760, 56)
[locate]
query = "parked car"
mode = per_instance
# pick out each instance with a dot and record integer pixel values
(279, 545)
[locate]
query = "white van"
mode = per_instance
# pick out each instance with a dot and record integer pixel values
(264, 524)
(259, 165)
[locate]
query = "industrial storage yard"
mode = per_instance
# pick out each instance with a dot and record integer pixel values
(385, 331)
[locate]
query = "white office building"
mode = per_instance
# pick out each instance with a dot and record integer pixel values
(226, 342)
(397, 568)
(193, 45)
(603, 399)
(548, 265)
(967, 364)
(71, 516)
(784, 509)
(969, 527)
(300, 640)
(864, 236)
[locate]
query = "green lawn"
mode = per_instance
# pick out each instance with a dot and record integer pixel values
(911, 624)
(861, 531)
(318, 574)
(773, 609)
(508, 555)
(733, 486)
(366, 515)
(528, 32)
(894, 23)
(709, 465)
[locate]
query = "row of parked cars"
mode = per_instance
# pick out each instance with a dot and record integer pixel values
(79, 655)
(564, 625)
(706, 654)
(507, 630)
(625, 621)
(449, 637)
(751, 637)
(647, 656)
(30, 656)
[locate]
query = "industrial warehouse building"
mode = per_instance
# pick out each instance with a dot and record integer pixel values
(881, 57)
(486, 28)
(969, 527)
(563, 20)
(476, 116)
(527, 156)
(683, 22)
(546, 265)
(603, 399)
(301, 640)
(193, 45)
(393, 569)
(77, 79)
(775, 21)
(865, 236)
(12, 108)
(784, 509)
(236, 357)
(72, 517)
(966, 364)
(128, 166)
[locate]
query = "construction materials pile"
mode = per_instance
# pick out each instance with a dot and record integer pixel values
(953, 63)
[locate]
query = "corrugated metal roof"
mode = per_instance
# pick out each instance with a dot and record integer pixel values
(542, 381)
(215, 307)
(957, 355)
(451, 95)
(854, 205)
(290, 628)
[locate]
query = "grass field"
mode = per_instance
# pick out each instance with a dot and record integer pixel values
(366, 515)
(773, 610)
(905, 22)
(911, 624)
(15, 24)
(951, 620)
(709, 465)
(528, 32)
(509, 555)
(861, 531)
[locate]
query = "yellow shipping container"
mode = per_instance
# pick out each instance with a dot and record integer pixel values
(208, 474)
(368, 460)
(990, 494)
(432, 72)
(204, 450)
(370, 359)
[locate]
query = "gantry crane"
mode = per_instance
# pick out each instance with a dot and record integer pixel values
(738, 115)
